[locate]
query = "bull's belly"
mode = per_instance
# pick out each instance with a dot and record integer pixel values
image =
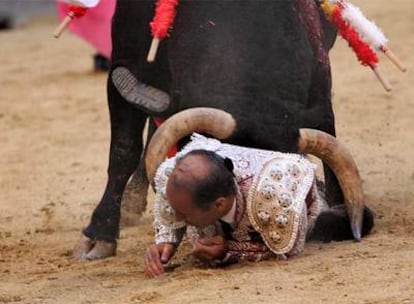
(224, 53)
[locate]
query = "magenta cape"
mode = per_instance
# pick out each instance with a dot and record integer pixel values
(95, 26)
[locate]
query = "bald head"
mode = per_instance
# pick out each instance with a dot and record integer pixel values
(191, 167)
(205, 175)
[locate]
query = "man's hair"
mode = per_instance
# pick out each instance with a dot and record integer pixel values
(217, 182)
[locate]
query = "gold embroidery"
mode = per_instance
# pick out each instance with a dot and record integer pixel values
(273, 207)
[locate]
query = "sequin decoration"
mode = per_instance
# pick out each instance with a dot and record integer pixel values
(285, 200)
(276, 174)
(264, 216)
(275, 236)
(282, 220)
(268, 192)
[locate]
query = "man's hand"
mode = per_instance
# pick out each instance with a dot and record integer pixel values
(155, 256)
(210, 249)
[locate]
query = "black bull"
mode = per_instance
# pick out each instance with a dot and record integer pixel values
(265, 62)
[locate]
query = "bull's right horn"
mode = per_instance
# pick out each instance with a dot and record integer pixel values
(214, 122)
(338, 158)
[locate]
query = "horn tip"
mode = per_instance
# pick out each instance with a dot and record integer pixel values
(356, 231)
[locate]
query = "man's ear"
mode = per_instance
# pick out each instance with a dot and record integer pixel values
(222, 204)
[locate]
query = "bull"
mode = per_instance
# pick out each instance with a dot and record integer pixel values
(264, 62)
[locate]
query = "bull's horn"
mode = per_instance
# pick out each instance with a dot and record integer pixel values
(338, 158)
(214, 122)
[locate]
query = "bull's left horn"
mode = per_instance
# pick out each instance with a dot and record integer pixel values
(338, 158)
(214, 122)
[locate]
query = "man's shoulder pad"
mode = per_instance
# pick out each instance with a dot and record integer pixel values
(277, 200)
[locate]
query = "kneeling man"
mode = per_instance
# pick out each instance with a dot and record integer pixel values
(235, 204)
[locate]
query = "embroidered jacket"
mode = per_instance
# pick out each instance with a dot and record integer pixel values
(276, 204)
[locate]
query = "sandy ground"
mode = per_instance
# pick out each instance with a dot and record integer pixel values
(53, 154)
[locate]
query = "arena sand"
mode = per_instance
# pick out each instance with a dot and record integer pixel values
(54, 144)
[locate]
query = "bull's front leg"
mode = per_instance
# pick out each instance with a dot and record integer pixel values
(127, 124)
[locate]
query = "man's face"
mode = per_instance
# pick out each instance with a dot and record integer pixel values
(186, 210)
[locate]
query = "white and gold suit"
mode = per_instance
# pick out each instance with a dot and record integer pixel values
(275, 207)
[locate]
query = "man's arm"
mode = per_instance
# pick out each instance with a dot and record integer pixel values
(222, 252)
(252, 251)
(168, 232)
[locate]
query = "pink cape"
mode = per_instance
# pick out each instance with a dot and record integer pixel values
(95, 26)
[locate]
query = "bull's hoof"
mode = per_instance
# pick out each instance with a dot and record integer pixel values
(102, 250)
(87, 249)
(82, 247)
(144, 97)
